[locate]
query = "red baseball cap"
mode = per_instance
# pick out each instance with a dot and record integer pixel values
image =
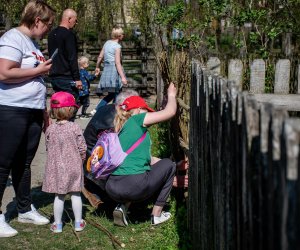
(62, 99)
(134, 102)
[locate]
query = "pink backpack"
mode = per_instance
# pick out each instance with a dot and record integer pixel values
(107, 155)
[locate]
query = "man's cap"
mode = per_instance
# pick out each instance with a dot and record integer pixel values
(134, 102)
(63, 99)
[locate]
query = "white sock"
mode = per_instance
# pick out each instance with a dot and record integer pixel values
(58, 207)
(77, 205)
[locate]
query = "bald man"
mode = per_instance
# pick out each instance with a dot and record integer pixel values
(64, 73)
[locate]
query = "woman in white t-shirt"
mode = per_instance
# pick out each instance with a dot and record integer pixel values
(23, 107)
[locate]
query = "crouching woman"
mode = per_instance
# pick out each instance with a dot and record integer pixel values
(137, 178)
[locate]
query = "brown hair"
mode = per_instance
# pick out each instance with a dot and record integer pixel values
(64, 113)
(34, 9)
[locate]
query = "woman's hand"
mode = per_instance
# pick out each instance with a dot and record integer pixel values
(124, 81)
(97, 71)
(44, 67)
(172, 91)
(168, 112)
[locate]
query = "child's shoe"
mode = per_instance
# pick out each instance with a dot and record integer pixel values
(93, 112)
(84, 116)
(164, 216)
(80, 225)
(5, 229)
(119, 215)
(56, 227)
(33, 217)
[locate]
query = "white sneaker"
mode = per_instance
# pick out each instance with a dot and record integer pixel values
(93, 112)
(33, 217)
(5, 229)
(119, 215)
(164, 216)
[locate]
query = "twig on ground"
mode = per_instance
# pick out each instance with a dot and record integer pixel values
(45, 213)
(73, 229)
(110, 235)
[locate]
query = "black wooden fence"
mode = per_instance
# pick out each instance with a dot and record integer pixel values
(244, 190)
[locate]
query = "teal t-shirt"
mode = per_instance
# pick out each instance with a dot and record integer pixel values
(138, 161)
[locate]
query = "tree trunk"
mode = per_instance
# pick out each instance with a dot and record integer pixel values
(123, 14)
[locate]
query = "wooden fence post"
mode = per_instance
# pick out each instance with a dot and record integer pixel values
(214, 65)
(282, 76)
(257, 76)
(235, 72)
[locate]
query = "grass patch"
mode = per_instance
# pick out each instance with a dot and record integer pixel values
(138, 235)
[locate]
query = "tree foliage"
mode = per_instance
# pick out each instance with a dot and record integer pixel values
(95, 17)
(237, 27)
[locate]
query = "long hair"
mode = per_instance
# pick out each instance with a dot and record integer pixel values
(121, 117)
(34, 9)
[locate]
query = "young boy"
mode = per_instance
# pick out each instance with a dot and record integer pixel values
(86, 78)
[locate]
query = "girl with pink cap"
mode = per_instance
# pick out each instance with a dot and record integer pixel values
(66, 151)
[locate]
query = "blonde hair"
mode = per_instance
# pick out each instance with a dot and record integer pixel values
(34, 9)
(116, 32)
(82, 60)
(64, 113)
(121, 117)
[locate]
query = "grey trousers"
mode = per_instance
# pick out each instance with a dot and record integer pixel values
(134, 188)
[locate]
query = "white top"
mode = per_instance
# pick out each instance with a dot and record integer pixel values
(18, 47)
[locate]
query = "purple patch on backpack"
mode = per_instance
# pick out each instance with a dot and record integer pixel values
(106, 156)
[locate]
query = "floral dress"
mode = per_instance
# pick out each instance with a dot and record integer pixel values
(66, 151)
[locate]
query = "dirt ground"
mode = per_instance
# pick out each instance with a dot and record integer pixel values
(37, 166)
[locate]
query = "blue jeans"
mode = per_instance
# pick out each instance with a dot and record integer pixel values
(107, 99)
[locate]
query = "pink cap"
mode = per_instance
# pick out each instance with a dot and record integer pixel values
(62, 99)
